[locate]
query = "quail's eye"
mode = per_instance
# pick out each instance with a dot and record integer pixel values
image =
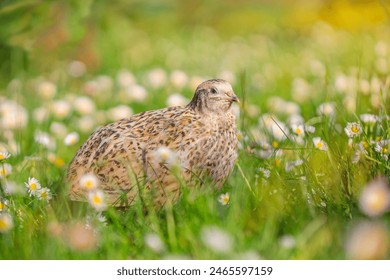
(213, 91)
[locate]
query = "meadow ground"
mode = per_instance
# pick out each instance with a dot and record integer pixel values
(312, 176)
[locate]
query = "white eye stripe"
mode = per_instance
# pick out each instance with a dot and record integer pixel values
(225, 87)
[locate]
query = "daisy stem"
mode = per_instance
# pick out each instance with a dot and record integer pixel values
(246, 180)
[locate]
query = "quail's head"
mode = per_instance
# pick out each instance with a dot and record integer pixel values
(213, 96)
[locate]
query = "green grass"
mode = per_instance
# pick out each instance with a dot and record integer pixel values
(314, 205)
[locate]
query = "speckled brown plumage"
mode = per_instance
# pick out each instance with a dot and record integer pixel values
(202, 136)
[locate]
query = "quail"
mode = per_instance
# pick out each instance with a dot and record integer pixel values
(154, 152)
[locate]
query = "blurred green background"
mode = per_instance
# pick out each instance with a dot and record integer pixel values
(39, 36)
(69, 66)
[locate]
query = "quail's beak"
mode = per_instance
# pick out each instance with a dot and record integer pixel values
(233, 97)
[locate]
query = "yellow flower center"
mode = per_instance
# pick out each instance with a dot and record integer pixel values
(96, 199)
(44, 194)
(377, 201)
(277, 162)
(384, 150)
(320, 145)
(33, 186)
(2, 156)
(88, 184)
(59, 162)
(355, 129)
(1, 206)
(298, 131)
(3, 171)
(164, 155)
(275, 144)
(3, 224)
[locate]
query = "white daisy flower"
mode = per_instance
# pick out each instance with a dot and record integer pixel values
(296, 119)
(265, 150)
(266, 173)
(89, 181)
(45, 140)
(310, 129)
(71, 139)
(33, 186)
(224, 199)
(5, 170)
(96, 200)
(176, 99)
(353, 129)
(291, 108)
(326, 109)
(320, 144)
(301, 90)
(120, 112)
(47, 90)
(292, 164)
(287, 241)
(44, 194)
(84, 105)
(164, 154)
(360, 150)
(154, 242)
(375, 197)
(125, 78)
(240, 136)
(179, 79)
(217, 239)
(298, 129)
(157, 78)
(382, 147)
(248, 255)
(6, 222)
(342, 83)
(56, 160)
(104, 83)
(369, 118)
(40, 114)
(137, 93)
(279, 130)
(58, 129)
(4, 155)
(61, 108)
(3, 204)
(86, 124)
(101, 218)
(12, 115)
